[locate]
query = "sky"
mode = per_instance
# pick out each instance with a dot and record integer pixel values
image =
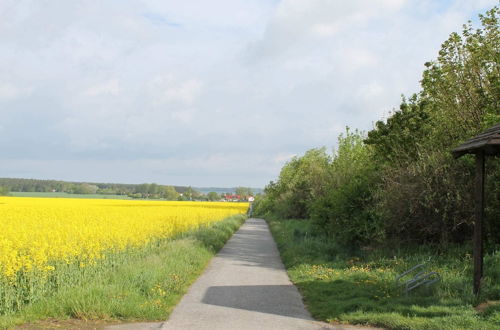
(204, 93)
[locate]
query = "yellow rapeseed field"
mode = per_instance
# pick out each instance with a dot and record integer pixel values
(37, 234)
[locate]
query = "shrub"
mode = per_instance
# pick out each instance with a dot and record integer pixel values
(346, 210)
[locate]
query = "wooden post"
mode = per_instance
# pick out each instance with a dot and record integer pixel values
(478, 223)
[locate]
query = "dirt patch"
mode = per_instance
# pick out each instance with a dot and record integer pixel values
(343, 326)
(484, 306)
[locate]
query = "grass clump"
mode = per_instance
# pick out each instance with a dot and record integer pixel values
(145, 286)
(358, 287)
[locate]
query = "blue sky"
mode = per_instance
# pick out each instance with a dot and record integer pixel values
(203, 93)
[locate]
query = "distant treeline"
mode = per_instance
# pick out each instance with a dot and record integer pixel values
(399, 183)
(144, 190)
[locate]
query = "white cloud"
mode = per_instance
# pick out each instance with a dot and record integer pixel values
(168, 89)
(325, 29)
(110, 87)
(9, 91)
(281, 159)
(203, 92)
(185, 116)
(185, 92)
(371, 90)
(355, 58)
(297, 20)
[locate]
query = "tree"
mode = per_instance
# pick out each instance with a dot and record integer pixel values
(152, 189)
(169, 193)
(463, 85)
(85, 188)
(243, 192)
(403, 136)
(301, 180)
(213, 196)
(344, 209)
(142, 189)
(189, 194)
(4, 191)
(196, 195)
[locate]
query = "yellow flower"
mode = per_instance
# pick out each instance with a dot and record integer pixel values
(38, 233)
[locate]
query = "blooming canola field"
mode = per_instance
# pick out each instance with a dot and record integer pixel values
(38, 234)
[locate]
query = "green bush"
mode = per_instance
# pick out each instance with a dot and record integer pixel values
(346, 210)
(301, 181)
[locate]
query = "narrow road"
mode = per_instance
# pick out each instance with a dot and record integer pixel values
(244, 287)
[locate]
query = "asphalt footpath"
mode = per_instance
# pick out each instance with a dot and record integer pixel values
(244, 287)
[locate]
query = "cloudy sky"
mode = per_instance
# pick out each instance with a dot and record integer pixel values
(203, 93)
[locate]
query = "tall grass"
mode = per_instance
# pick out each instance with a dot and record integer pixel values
(358, 286)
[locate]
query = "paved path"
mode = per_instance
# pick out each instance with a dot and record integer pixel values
(244, 287)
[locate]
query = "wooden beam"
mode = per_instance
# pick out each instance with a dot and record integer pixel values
(478, 223)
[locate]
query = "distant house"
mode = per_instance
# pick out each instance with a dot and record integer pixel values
(231, 197)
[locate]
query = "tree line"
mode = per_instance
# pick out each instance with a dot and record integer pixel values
(398, 183)
(143, 191)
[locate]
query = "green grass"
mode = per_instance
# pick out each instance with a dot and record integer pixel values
(359, 287)
(144, 286)
(66, 195)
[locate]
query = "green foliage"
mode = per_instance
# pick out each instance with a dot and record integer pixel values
(263, 206)
(213, 196)
(429, 200)
(243, 191)
(463, 83)
(4, 191)
(345, 210)
(85, 188)
(169, 193)
(402, 138)
(301, 181)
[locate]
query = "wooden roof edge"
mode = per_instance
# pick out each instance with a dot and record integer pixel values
(487, 141)
(490, 149)
(459, 153)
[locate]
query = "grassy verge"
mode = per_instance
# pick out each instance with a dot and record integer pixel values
(359, 287)
(144, 286)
